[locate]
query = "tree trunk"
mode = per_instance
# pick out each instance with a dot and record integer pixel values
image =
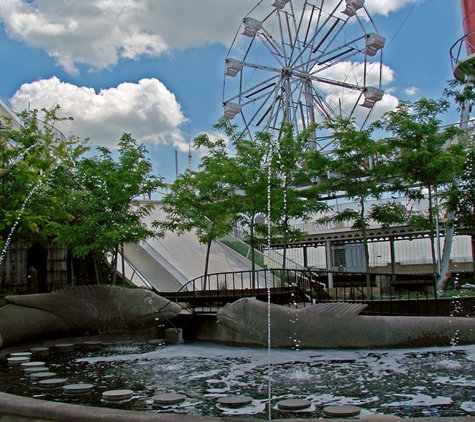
(205, 276)
(286, 240)
(449, 234)
(252, 242)
(114, 266)
(431, 235)
(365, 247)
(123, 264)
(97, 270)
(473, 253)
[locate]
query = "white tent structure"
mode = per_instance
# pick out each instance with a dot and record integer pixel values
(168, 263)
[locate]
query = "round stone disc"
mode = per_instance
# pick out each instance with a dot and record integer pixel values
(52, 382)
(16, 360)
(157, 341)
(40, 351)
(341, 411)
(168, 398)
(294, 404)
(34, 369)
(20, 354)
(235, 401)
(36, 376)
(64, 347)
(31, 364)
(117, 395)
(77, 388)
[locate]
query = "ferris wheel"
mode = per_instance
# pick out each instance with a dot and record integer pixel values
(303, 62)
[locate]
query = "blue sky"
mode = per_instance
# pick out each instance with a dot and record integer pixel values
(155, 68)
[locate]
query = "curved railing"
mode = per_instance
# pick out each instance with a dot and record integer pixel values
(384, 293)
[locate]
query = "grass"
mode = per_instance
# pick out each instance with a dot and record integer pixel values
(459, 293)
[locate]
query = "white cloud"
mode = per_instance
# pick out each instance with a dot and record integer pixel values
(384, 7)
(353, 72)
(411, 90)
(101, 32)
(381, 7)
(147, 110)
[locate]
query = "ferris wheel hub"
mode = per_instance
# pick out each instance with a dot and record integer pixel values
(286, 72)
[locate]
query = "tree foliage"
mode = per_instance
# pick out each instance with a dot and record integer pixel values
(31, 159)
(201, 201)
(103, 199)
(420, 159)
(295, 167)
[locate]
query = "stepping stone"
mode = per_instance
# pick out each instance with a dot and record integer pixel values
(16, 360)
(40, 351)
(77, 388)
(380, 417)
(294, 404)
(20, 354)
(52, 382)
(64, 347)
(168, 398)
(35, 369)
(117, 395)
(157, 341)
(341, 411)
(235, 401)
(36, 376)
(32, 364)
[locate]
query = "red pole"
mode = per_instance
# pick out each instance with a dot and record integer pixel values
(468, 22)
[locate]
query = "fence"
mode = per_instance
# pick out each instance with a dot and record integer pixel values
(396, 294)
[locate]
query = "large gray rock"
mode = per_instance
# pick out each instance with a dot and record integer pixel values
(334, 325)
(82, 310)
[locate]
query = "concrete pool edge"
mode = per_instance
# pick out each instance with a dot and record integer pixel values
(25, 409)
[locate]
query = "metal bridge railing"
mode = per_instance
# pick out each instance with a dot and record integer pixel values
(404, 294)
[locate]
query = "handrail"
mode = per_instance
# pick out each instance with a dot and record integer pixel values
(146, 283)
(300, 288)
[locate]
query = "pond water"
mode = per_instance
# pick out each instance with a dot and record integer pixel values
(431, 382)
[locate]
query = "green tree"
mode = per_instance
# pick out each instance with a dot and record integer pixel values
(30, 158)
(294, 195)
(104, 202)
(421, 161)
(251, 184)
(461, 195)
(201, 200)
(354, 175)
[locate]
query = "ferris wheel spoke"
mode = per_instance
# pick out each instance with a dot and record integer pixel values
(307, 61)
(260, 87)
(341, 52)
(268, 104)
(321, 32)
(340, 84)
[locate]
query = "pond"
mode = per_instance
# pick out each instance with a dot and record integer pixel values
(434, 382)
